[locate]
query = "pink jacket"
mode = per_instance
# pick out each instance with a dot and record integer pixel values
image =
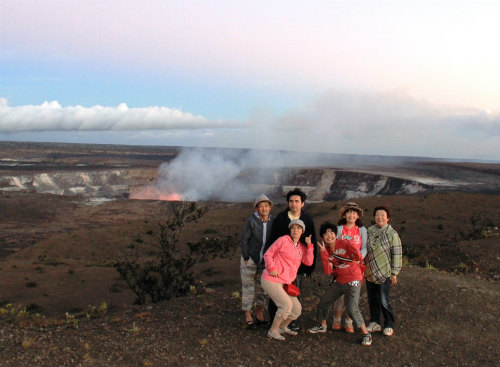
(285, 257)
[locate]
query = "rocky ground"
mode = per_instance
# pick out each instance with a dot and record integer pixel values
(442, 320)
(57, 256)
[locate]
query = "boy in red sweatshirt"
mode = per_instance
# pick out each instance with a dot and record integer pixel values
(345, 261)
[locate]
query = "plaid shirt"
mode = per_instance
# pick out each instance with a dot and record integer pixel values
(385, 254)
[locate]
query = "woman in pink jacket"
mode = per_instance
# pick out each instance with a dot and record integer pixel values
(282, 260)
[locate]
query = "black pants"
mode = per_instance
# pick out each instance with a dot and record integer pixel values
(272, 308)
(379, 302)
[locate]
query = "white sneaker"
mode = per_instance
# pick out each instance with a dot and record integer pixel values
(317, 329)
(388, 331)
(373, 326)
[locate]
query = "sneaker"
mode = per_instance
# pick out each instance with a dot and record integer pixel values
(373, 326)
(293, 326)
(317, 329)
(275, 335)
(349, 328)
(287, 331)
(388, 331)
(336, 325)
(367, 339)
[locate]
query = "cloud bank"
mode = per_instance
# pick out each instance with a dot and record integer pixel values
(338, 121)
(51, 116)
(382, 124)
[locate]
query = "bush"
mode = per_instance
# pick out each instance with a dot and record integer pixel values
(170, 272)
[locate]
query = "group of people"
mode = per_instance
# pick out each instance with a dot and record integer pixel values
(278, 252)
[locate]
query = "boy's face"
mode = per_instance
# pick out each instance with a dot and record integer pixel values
(329, 238)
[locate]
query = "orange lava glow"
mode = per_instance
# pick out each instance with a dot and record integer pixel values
(152, 193)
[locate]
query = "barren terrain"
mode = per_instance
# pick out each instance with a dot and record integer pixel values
(57, 255)
(444, 317)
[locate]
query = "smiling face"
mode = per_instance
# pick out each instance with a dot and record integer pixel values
(295, 232)
(351, 216)
(263, 209)
(381, 218)
(295, 204)
(329, 238)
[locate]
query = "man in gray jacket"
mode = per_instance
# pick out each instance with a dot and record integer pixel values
(254, 238)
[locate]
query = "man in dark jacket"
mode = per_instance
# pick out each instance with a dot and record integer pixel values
(256, 235)
(296, 200)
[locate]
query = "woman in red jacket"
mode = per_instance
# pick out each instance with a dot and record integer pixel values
(343, 258)
(282, 260)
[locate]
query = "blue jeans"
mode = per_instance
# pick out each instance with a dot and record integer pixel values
(378, 301)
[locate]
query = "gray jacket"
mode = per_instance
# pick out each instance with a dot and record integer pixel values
(252, 236)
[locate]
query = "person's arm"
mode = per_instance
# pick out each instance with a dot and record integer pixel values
(269, 256)
(308, 255)
(310, 232)
(245, 237)
(364, 241)
(353, 253)
(396, 256)
(325, 259)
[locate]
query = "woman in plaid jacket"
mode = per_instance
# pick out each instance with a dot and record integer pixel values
(383, 262)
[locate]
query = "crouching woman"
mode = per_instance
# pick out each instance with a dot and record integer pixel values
(282, 260)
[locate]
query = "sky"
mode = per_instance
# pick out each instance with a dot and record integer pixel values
(402, 77)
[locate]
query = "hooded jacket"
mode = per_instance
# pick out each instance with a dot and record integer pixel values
(252, 235)
(285, 257)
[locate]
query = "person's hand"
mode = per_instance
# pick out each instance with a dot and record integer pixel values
(308, 239)
(321, 245)
(394, 279)
(274, 273)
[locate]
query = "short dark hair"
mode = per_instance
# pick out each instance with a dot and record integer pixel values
(383, 207)
(298, 192)
(325, 226)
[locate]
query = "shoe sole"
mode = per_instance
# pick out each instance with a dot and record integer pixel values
(289, 332)
(274, 338)
(374, 329)
(317, 332)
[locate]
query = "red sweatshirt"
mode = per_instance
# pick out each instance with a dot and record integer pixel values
(344, 271)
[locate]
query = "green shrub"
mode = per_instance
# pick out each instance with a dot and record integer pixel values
(170, 273)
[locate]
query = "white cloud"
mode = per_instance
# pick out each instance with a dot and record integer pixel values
(51, 116)
(383, 124)
(350, 122)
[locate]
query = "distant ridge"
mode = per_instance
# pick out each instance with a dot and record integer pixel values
(319, 157)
